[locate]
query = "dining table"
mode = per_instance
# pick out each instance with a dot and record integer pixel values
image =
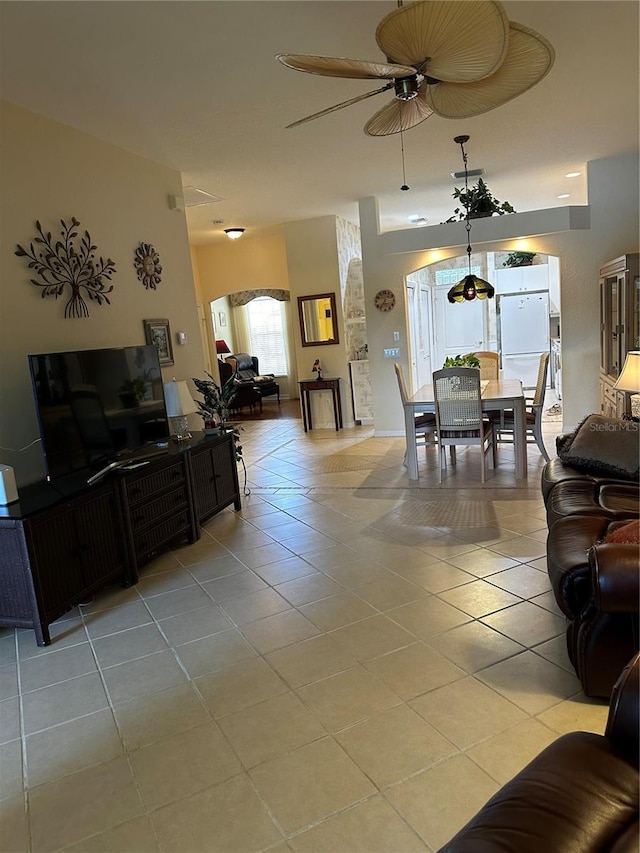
(496, 395)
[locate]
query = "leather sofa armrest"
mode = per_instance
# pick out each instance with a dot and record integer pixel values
(615, 573)
(624, 712)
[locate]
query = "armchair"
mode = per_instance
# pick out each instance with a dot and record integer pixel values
(246, 367)
(247, 393)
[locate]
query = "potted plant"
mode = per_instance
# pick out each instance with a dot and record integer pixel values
(519, 259)
(469, 360)
(215, 406)
(132, 391)
(479, 201)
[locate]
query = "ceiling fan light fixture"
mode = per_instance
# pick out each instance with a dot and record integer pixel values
(406, 88)
(234, 233)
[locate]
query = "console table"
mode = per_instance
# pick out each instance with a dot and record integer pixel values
(308, 385)
(64, 540)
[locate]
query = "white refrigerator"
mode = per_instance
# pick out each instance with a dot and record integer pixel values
(523, 334)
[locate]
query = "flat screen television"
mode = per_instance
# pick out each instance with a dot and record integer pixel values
(98, 406)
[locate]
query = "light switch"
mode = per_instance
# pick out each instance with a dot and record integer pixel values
(392, 352)
(396, 336)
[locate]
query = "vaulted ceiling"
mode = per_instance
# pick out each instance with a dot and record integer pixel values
(195, 85)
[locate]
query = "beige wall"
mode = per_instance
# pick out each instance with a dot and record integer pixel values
(243, 264)
(314, 267)
(613, 231)
(51, 172)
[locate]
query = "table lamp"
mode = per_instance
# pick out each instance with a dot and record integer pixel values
(222, 347)
(629, 380)
(179, 403)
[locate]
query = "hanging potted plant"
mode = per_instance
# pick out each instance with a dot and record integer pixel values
(479, 202)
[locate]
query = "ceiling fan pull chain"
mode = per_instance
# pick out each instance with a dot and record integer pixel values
(404, 186)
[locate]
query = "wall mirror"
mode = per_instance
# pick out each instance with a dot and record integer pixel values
(318, 321)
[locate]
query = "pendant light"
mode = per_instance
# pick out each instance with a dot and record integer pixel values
(471, 286)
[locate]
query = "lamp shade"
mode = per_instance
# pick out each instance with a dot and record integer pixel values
(629, 379)
(222, 347)
(470, 287)
(178, 400)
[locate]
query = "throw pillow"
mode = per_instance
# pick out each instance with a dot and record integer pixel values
(601, 445)
(627, 533)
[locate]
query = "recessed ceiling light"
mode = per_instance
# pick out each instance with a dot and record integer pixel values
(573, 174)
(564, 195)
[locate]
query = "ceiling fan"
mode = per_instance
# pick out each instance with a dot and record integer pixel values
(455, 59)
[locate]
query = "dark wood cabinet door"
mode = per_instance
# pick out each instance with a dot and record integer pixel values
(75, 548)
(214, 477)
(55, 560)
(99, 541)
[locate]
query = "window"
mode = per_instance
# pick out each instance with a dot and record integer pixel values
(268, 334)
(453, 276)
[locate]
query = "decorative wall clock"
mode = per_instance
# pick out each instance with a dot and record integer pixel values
(147, 264)
(385, 300)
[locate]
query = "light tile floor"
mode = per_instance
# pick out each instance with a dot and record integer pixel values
(352, 663)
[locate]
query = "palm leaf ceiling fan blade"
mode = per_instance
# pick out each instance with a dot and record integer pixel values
(458, 41)
(397, 116)
(341, 106)
(329, 66)
(529, 59)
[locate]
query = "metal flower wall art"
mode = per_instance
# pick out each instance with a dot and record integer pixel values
(147, 264)
(64, 264)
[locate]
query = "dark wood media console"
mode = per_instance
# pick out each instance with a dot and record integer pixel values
(61, 543)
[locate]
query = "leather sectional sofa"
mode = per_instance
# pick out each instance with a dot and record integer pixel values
(595, 581)
(580, 795)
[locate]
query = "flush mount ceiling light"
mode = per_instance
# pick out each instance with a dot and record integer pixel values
(234, 233)
(471, 286)
(564, 195)
(416, 219)
(573, 174)
(456, 60)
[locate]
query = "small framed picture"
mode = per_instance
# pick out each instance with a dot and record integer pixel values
(222, 317)
(157, 332)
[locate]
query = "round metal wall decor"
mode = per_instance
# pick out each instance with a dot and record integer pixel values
(147, 264)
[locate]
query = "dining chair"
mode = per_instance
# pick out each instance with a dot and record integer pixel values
(489, 363)
(459, 418)
(424, 424)
(505, 425)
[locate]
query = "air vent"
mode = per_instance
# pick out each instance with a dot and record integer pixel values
(472, 173)
(194, 197)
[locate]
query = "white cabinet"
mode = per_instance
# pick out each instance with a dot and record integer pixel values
(517, 279)
(361, 391)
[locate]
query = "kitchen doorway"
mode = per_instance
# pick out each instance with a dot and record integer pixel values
(437, 329)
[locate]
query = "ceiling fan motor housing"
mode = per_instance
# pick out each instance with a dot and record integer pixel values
(406, 88)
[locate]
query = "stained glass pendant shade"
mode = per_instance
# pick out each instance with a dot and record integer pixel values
(471, 286)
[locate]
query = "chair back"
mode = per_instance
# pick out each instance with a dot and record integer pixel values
(489, 364)
(401, 384)
(457, 397)
(541, 384)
